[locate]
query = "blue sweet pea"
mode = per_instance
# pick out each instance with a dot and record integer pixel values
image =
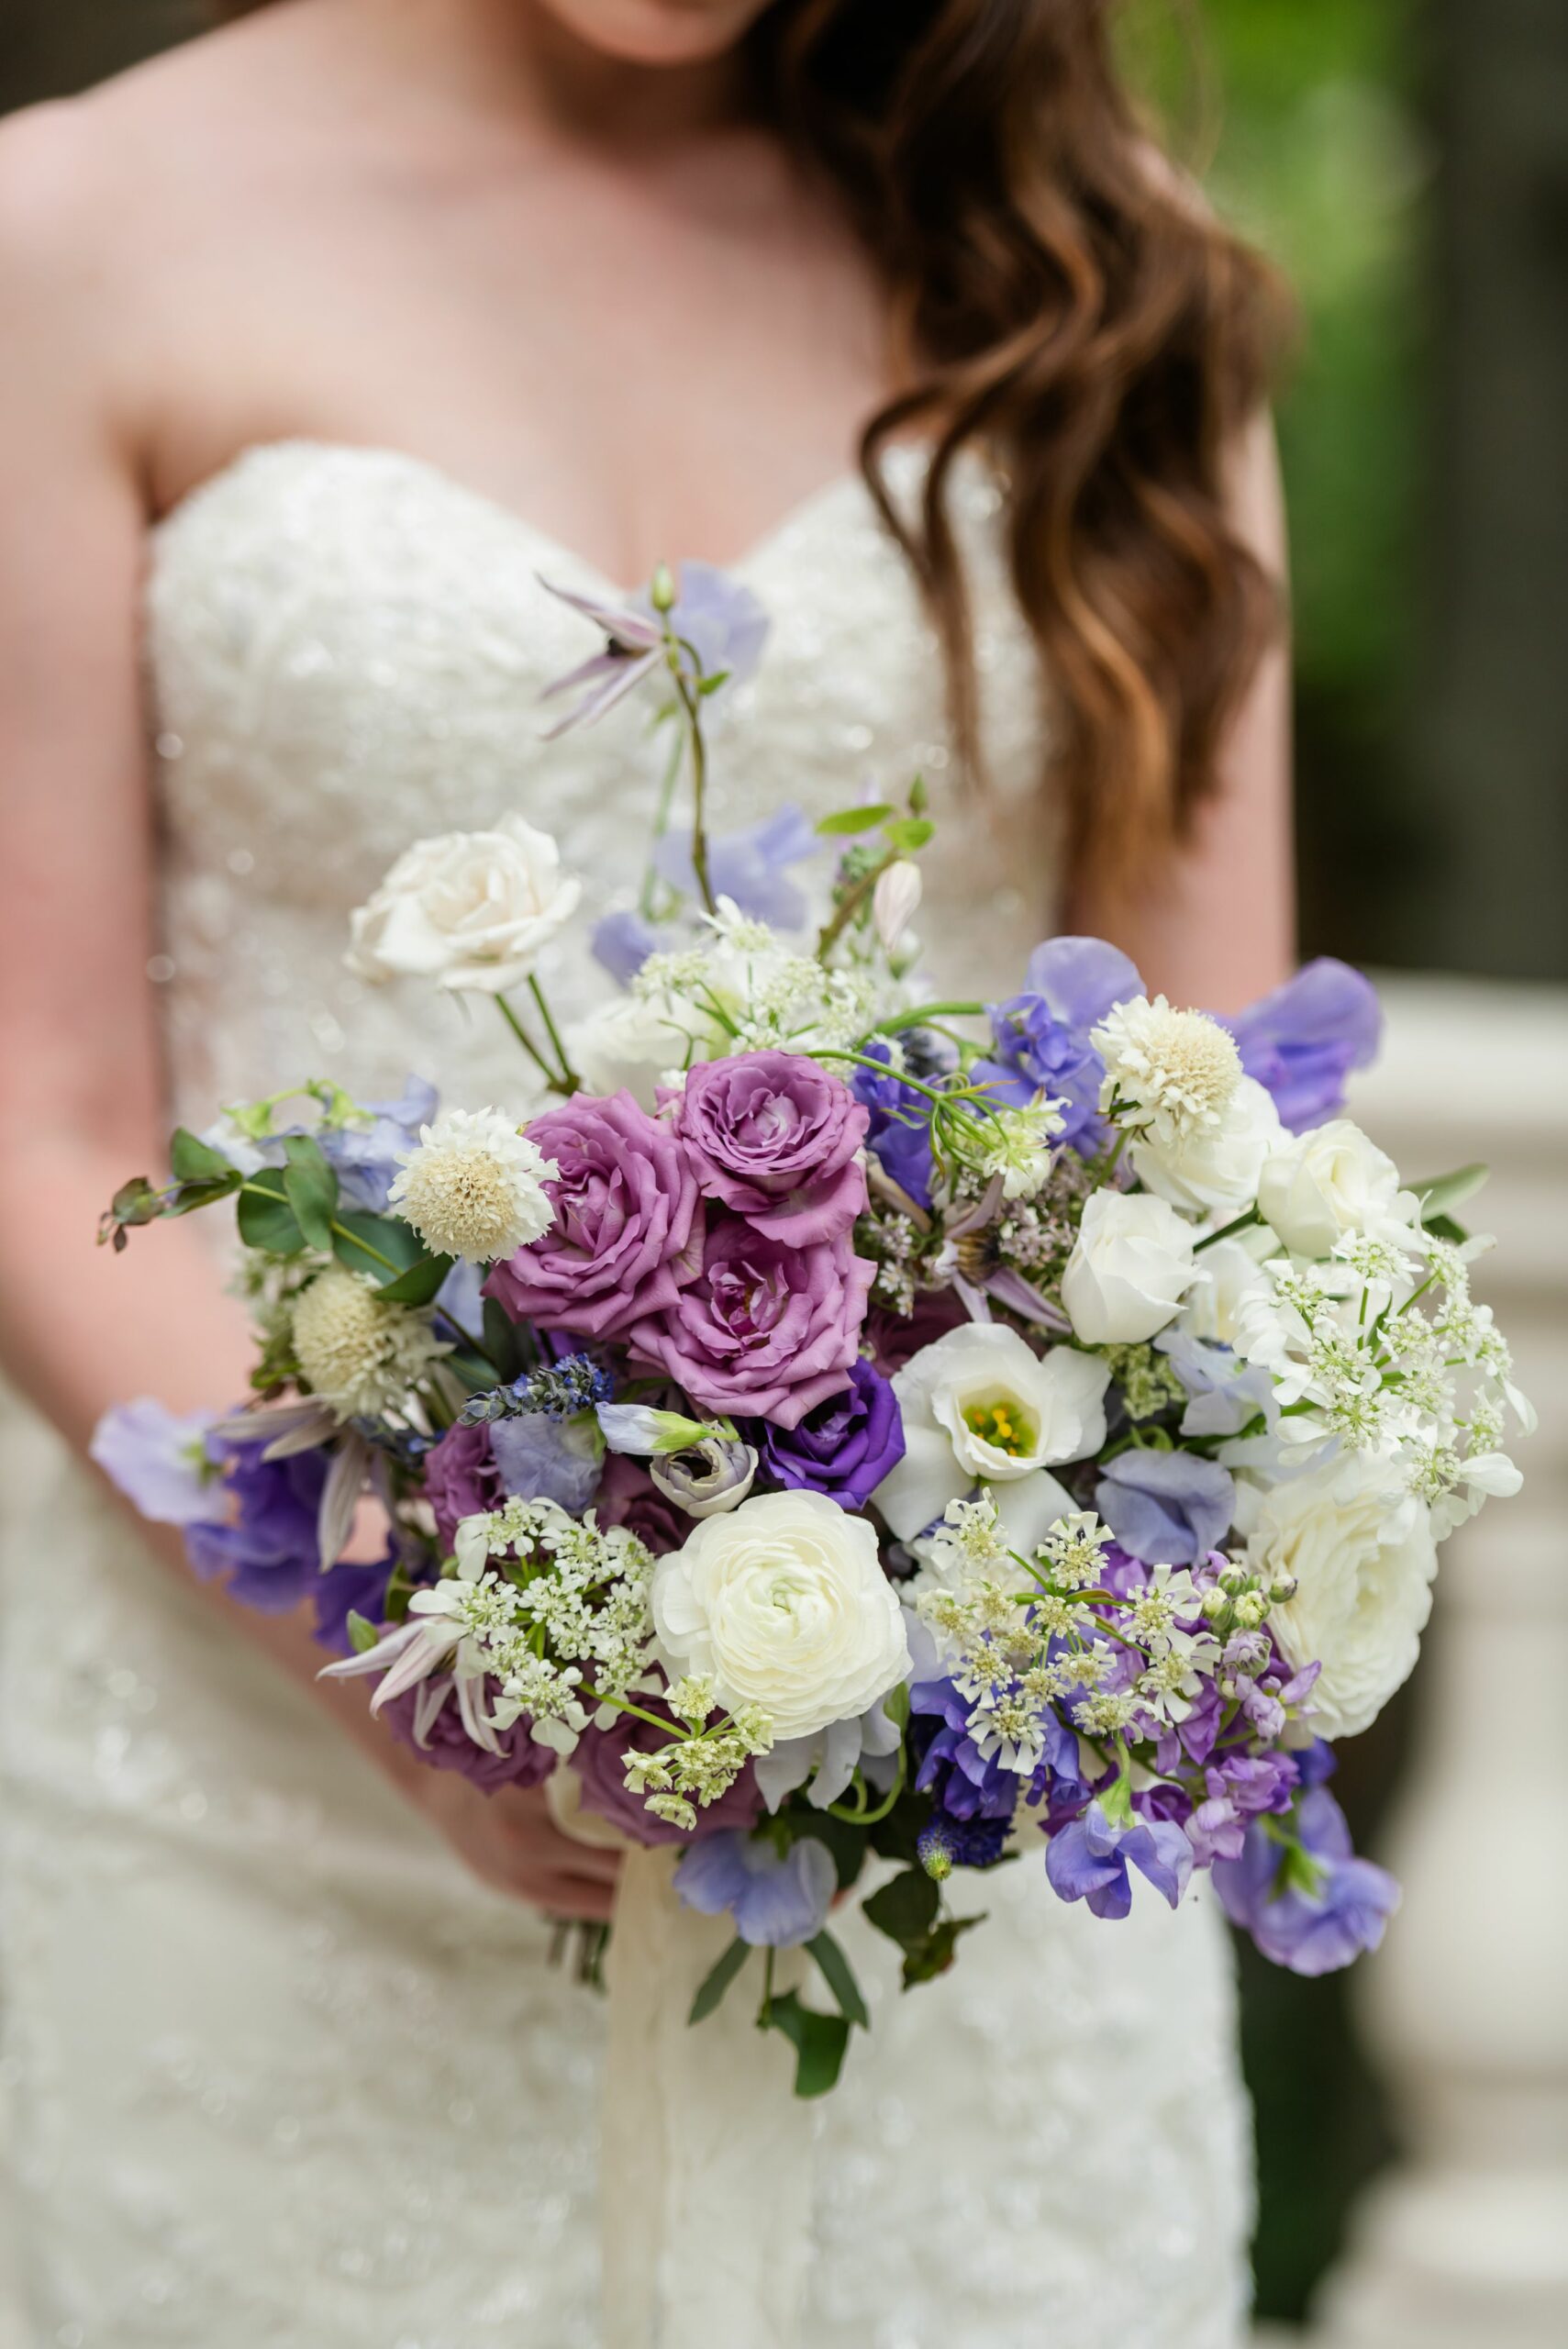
(261, 1537)
(1302, 1042)
(776, 1902)
(1169, 1508)
(165, 1463)
(899, 1134)
(351, 1587)
(1312, 1931)
(1041, 1036)
(554, 1459)
(749, 866)
(1089, 1861)
(366, 1157)
(623, 941)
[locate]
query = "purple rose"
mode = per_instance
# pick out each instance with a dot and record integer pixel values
(1169, 1508)
(1313, 1931)
(775, 1138)
(628, 1230)
(1302, 1042)
(462, 1479)
(627, 1496)
(1041, 1036)
(843, 1447)
(446, 1745)
(767, 1328)
(599, 1760)
(261, 1539)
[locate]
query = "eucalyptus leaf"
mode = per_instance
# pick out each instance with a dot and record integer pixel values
(193, 1161)
(854, 819)
(839, 1975)
(420, 1284)
(266, 1219)
(381, 1245)
(310, 1186)
(717, 1979)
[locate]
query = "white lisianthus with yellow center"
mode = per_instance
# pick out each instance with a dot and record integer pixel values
(474, 1186)
(783, 1605)
(979, 1407)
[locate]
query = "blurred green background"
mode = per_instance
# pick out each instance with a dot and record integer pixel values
(1405, 162)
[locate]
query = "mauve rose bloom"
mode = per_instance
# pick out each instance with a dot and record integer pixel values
(775, 1137)
(597, 1759)
(843, 1448)
(522, 1762)
(628, 1229)
(766, 1329)
(462, 1479)
(627, 1496)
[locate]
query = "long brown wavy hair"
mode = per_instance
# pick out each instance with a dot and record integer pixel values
(1061, 297)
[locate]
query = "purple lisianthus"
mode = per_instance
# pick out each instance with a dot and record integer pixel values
(261, 1537)
(628, 1230)
(462, 1479)
(844, 1447)
(968, 1790)
(1042, 1035)
(599, 1760)
(427, 1720)
(165, 1463)
(1169, 1508)
(776, 1139)
(1089, 1861)
(1302, 1042)
(776, 1901)
(898, 1134)
(1316, 1929)
(748, 866)
(768, 1328)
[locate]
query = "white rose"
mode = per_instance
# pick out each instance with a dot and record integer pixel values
(1213, 1167)
(1131, 1267)
(1361, 1549)
(784, 1604)
(1228, 1275)
(467, 909)
(633, 1043)
(980, 1408)
(1330, 1182)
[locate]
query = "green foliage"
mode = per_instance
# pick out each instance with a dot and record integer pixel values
(717, 1979)
(819, 2042)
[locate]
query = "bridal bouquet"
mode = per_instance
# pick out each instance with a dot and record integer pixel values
(846, 1435)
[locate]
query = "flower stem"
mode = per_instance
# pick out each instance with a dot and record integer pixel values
(550, 1075)
(1237, 1224)
(833, 930)
(570, 1081)
(698, 748)
(924, 1011)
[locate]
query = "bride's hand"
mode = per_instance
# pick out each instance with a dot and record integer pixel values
(511, 1843)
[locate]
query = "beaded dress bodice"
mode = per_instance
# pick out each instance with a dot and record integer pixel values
(280, 2070)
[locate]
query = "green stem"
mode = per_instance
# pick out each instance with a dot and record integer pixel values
(647, 896)
(570, 1081)
(833, 930)
(1228, 1231)
(526, 1041)
(924, 1011)
(699, 785)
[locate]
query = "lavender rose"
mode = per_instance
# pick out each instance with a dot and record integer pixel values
(843, 1447)
(628, 1230)
(776, 1139)
(766, 1329)
(599, 1761)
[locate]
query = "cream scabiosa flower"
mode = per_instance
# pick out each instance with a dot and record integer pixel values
(474, 1186)
(358, 1355)
(471, 910)
(1170, 1072)
(783, 1605)
(980, 1408)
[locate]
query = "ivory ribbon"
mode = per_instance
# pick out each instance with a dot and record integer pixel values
(708, 2157)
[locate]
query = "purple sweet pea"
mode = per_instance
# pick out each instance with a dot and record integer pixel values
(1169, 1508)
(1302, 1042)
(427, 1720)
(775, 1902)
(165, 1463)
(769, 1328)
(1240, 1787)
(776, 1139)
(599, 1760)
(967, 1788)
(367, 1157)
(899, 1133)
(627, 1228)
(541, 1459)
(1041, 1036)
(1314, 1931)
(623, 941)
(1089, 1861)
(748, 866)
(843, 1448)
(351, 1587)
(261, 1536)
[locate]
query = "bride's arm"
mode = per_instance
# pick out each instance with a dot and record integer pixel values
(1218, 928)
(81, 1090)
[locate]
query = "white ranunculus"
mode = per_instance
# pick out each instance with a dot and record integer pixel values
(1214, 1168)
(1131, 1267)
(783, 1604)
(1361, 1549)
(471, 910)
(1330, 1182)
(980, 1408)
(634, 1043)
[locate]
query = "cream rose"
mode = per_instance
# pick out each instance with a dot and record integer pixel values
(1330, 1182)
(784, 1604)
(637, 1045)
(471, 910)
(1215, 1167)
(1360, 1551)
(981, 1408)
(1131, 1265)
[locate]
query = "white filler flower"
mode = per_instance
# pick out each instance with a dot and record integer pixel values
(1360, 1549)
(1131, 1265)
(474, 1186)
(471, 910)
(981, 1408)
(783, 1604)
(1330, 1182)
(358, 1355)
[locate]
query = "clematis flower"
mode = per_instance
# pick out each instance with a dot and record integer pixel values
(718, 625)
(1089, 1860)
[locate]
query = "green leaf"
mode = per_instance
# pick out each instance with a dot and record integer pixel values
(1443, 1227)
(907, 833)
(419, 1285)
(819, 2042)
(1446, 1192)
(362, 1634)
(190, 1197)
(839, 1975)
(852, 819)
(502, 1344)
(193, 1161)
(711, 685)
(905, 1907)
(310, 1186)
(934, 1952)
(919, 797)
(715, 1983)
(266, 1219)
(380, 1245)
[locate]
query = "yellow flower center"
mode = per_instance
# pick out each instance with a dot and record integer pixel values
(1004, 1424)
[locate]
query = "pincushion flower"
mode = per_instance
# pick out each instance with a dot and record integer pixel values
(784, 1604)
(1131, 1265)
(1168, 1071)
(767, 1328)
(628, 1229)
(777, 1139)
(358, 1355)
(1330, 1182)
(471, 910)
(980, 1408)
(473, 1186)
(1359, 1549)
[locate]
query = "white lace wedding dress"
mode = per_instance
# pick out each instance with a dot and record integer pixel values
(279, 2071)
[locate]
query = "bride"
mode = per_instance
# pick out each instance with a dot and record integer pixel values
(325, 336)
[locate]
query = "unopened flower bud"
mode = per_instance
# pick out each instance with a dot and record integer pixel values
(1251, 1610)
(895, 902)
(661, 588)
(1214, 1604)
(1234, 1581)
(1283, 1587)
(935, 1854)
(712, 1477)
